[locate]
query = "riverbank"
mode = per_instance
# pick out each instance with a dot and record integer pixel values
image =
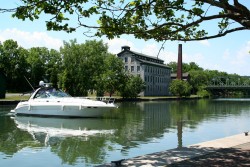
(13, 99)
(152, 98)
(228, 151)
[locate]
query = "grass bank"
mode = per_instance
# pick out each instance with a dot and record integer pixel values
(20, 97)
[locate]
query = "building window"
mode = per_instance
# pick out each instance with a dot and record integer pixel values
(132, 59)
(126, 68)
(126, 59)
(132, 68)
(138, 68)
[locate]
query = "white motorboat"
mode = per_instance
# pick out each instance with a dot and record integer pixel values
(48, 101)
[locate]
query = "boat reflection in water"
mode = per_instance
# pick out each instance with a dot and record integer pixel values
(45, 128)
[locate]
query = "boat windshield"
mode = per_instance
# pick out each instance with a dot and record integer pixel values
(51, 93)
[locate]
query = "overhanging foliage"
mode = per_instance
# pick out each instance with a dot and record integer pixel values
(182, 20)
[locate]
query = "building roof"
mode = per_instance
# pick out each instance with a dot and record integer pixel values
(143, 58)
(127, 49)
(147, 56)
(152, 63)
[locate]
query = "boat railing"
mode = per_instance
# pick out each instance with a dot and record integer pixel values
(104, 99)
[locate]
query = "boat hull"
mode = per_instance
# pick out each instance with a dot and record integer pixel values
(59, 110)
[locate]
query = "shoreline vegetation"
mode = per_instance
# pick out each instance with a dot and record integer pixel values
(15, 98)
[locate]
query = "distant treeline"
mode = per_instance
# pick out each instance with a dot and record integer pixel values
(200, 78)
(75, 68)
(87, 67)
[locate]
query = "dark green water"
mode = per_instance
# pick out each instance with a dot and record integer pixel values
(132, 130)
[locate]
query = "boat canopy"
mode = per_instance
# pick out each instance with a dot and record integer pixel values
(50, 93)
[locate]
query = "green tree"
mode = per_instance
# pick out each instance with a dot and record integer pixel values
(194, 66)
(46, 64)
(37, 60)
(132, 86)
(186, 67)
(154, 19)
(14, 64)
(173, 66)
(53, 67)
(112, 76)
(198, 80)
(83, 64)
(180, 88)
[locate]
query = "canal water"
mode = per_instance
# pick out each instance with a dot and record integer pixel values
(134, 129)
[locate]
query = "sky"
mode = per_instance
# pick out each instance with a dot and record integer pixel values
(229, 54)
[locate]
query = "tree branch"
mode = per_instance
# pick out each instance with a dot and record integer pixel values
(7, 10)
(218, 35)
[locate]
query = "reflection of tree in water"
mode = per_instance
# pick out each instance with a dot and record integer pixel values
(90, 149)
(69, 149)
(72, 149)
(13, 139)
(142, 122)
(146, 120)
(135, 123)
(190, 113)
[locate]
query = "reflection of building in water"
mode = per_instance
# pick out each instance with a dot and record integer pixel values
(157, 118)
(154, 120)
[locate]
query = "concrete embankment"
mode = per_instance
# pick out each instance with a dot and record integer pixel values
(228, 151)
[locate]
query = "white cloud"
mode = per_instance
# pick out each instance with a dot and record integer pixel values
(245, 50)
(226, 54)
(242, 56)
(237, 62)
(31, 39)
(196, 57)
(204, 42)
(116, 44)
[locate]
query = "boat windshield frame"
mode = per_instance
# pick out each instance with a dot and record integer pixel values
(44, 93)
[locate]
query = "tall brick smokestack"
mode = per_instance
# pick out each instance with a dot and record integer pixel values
(179, 64)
